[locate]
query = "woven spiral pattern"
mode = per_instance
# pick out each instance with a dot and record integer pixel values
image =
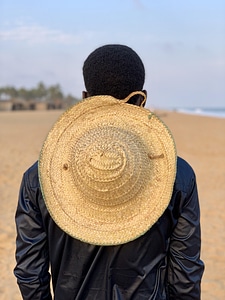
(107, 170)
(105, 164)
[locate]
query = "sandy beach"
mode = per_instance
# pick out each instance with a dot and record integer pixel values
(200, 140)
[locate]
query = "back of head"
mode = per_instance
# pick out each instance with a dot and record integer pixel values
(114, 70)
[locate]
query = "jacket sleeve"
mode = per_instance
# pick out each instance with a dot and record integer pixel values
(31, 245)
(185, 267)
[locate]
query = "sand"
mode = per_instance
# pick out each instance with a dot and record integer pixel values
(200, 140)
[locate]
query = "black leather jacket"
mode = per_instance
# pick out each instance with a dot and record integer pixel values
(162, 264)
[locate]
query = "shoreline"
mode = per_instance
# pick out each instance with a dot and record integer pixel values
(201, 112)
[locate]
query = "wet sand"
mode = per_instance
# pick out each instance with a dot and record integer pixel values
(200, 140)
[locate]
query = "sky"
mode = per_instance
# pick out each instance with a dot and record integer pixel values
(181, 43)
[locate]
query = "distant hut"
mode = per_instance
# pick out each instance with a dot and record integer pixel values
(19, 104)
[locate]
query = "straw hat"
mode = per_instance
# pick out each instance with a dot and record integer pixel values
(107, 170)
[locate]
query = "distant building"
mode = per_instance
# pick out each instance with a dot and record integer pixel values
(8, 103)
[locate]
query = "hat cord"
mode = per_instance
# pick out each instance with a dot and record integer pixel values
(135, 93)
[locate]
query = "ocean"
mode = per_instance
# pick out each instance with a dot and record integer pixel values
(212, 112)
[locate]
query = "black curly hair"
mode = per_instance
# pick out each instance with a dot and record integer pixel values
(114, 70)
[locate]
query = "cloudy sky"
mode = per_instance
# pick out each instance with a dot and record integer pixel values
(182, 44)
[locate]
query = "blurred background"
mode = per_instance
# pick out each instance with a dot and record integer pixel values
(43, 45)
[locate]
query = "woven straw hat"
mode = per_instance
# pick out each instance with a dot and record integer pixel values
(107, 170)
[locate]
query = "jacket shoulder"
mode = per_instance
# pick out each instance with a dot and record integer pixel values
(31, 175)
(185, 176)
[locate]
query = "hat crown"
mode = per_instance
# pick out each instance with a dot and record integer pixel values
(109, 164)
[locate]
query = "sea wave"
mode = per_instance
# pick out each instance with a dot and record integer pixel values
(212, 112)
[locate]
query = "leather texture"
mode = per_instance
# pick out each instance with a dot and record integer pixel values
(162, 264)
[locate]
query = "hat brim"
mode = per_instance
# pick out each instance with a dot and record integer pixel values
(96, 202)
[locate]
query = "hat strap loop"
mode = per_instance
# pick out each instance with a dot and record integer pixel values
(135, 93)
